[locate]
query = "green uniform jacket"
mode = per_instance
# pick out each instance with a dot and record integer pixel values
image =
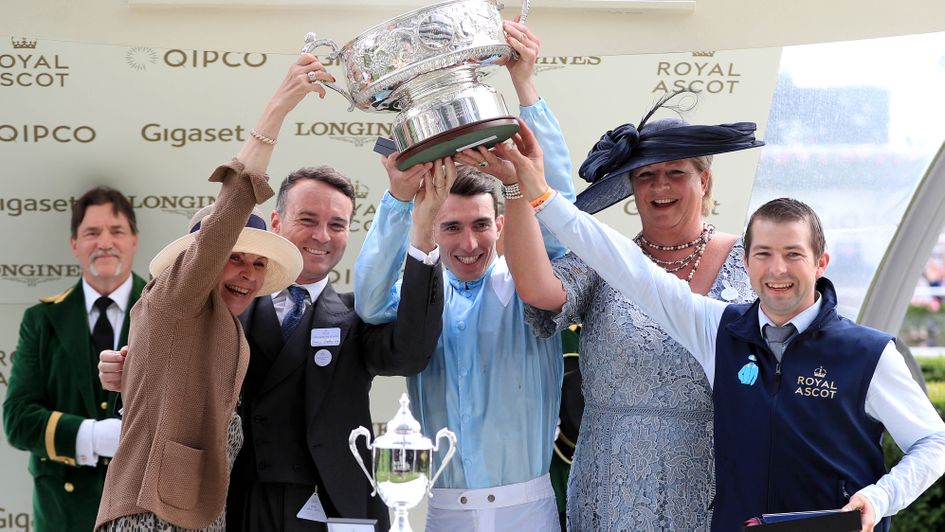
(53, 387)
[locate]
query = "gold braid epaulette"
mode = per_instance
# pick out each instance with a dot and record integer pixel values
(57, 298)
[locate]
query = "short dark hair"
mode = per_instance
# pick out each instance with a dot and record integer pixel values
(790, 210)
(325, 174)
(102, 196)
(471, 182)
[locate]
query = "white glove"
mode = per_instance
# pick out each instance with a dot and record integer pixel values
(105, 436)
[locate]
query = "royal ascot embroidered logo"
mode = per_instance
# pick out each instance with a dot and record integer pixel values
(358, 133)
(34, 274)
(817, 385)
(749, 372)
(24, 68)
(140, 57)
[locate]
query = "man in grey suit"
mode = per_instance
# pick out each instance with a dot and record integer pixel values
(311, 368)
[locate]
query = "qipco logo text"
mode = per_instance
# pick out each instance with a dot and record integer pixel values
(36, 133)
(210, 58)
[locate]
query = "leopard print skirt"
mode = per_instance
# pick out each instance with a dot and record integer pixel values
(148, 522)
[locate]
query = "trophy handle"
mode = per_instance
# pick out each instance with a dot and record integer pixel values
(311, 43)
(448, 434)
(352, 443)
(525, 6)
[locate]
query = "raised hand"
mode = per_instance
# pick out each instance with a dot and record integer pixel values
(435, 190)
(404, 184)
(525, 155)
(488, 163)
(522, 70)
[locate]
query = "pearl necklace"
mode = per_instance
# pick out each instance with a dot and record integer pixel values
(673, 266)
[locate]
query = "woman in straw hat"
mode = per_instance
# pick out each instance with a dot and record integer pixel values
(180, 432)
(644, 456)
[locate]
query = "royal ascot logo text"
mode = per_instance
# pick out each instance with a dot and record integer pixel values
(817, 385)
(363, 212)
(35, 274)
(357, 133)
(27, 68)
(701, 74)
(39, 133)
(183, 205)
(6, 362)
(178, 137)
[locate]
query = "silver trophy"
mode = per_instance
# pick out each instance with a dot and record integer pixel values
(425, 66)
(402, 462)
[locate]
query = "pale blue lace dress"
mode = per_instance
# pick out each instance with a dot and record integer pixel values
(644, 456)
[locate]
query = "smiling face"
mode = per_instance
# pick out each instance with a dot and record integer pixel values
(466, 229)
(316, 219)
(105, 247)
(241, 278)
(669, 195)
(783, 267)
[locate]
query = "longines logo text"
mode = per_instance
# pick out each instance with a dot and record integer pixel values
(210, 58)
(36, 133)
(179, 137)
(34, 274)
(185, 205)
(699, 75)
(27, 69)
(357, 133)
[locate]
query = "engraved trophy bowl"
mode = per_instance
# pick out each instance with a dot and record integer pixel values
(425, 66)
(402, 462)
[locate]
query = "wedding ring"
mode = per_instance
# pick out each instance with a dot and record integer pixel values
(311, 77)
(483, 163)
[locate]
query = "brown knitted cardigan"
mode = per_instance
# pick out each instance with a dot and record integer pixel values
(182, 377)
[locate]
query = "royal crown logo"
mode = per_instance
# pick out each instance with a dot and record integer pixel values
(820, 372)
(361, 191)
(704, 53)
(23, 43)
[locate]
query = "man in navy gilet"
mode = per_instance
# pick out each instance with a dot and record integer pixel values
(798, 415)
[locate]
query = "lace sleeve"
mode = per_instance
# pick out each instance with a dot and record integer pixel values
(579, 281)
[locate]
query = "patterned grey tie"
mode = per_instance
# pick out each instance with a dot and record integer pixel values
(778, 337)
(298, 295)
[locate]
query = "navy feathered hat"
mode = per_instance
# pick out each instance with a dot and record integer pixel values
(628, 147)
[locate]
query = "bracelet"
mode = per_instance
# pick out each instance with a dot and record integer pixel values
(544, 204)
(535, 203)
(512, 191)
(262, 138)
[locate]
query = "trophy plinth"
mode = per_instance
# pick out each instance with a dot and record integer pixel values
(425, 65)
(402, 462)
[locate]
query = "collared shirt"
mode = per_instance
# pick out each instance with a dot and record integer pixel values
(84, 453)
(893, 398)
(491, 380)
(282, 303)
(116, 311)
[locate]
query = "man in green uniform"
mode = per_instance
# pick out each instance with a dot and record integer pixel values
(55, 407)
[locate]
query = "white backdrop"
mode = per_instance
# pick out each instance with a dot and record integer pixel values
(154, 123)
